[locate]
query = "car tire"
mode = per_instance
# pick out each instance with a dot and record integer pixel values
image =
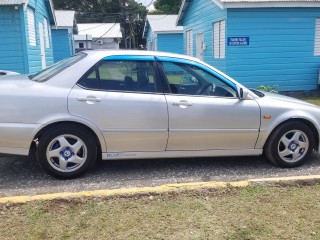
(67, 151)
(290, 145)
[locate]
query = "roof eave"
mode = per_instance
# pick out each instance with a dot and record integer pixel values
(168, 32)
(53, 16)
(145, 28)
(267, 4)
(183, 8)
(219, 3)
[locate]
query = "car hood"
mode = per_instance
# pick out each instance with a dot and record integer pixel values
(285, 99)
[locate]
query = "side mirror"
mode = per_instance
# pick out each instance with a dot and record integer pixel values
(244, 94)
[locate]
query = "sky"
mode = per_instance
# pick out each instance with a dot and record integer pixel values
(147, 3)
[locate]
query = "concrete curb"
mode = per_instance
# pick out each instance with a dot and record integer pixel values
(160, 189)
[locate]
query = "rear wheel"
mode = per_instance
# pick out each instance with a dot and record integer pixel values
(67, 151)
(290, 145)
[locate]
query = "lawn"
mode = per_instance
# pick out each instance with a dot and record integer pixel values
(231, 213)
(313, 100)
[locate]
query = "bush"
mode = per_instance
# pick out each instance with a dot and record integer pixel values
(271, 89)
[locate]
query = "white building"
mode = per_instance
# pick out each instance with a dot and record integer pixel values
(98, 36)
(82, 42)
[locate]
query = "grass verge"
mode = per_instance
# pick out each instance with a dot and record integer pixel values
(313, 100)
(254, 212)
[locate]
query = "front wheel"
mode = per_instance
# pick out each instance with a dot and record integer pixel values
(67, 151)
(290, 145)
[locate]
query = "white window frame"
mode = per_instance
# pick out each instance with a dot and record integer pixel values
(31, 27)
(219, 39)
(46, 32)
(317, 38)
(155, 45)
(189, 43)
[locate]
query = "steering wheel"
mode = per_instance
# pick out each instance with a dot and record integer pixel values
(207, 89)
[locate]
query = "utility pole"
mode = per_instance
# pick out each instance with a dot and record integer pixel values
(124, 16)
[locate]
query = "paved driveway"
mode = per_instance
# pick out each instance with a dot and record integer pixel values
(20, 175)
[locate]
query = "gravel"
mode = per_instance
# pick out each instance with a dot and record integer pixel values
(21, 175)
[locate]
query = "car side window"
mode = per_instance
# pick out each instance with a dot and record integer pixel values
(132, 76)
(192, 80)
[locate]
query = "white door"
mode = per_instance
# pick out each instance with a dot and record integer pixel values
(200, 44)
(42, 47)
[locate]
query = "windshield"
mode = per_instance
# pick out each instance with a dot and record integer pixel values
(49, 72)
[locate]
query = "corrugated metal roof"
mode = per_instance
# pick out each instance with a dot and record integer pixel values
(64, 18)
(12, 2)
(100, 30)
(164, 23)
(258, 1)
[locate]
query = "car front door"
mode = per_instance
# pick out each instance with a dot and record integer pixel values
(204, 110)
(119, 95)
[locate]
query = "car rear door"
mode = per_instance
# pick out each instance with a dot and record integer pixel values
(120, 96)
(202, 119)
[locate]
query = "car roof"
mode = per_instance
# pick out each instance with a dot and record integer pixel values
(99, 54)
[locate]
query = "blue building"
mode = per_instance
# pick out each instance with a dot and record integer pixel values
(25, 35)
(63, 34)
(257, 42)
(162, 34)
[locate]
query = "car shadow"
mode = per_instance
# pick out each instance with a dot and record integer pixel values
(22, 174)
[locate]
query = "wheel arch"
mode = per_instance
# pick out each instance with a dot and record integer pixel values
(307, 122)
(98, 137)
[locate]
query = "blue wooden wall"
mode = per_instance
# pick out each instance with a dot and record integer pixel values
(12, 41)
(172, 42)
(199, 18)
(62, 44)
(41, 11)
(281, 50)
(16, 54)
(166, 42)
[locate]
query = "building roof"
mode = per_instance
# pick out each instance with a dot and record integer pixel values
(162, 24)
(12, 2)
(223, 4)
(19, 2)
(100, 30)
(65, 18)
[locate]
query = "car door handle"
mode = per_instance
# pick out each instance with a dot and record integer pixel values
(182, 103)
(89, 99)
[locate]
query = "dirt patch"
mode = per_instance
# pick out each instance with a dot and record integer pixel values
(254, 212)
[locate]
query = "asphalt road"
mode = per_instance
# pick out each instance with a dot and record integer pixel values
(20, 175)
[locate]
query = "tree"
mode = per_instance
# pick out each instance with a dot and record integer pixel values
(166, 7)
(130, 14)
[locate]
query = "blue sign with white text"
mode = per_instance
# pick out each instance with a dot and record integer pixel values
(238, 41)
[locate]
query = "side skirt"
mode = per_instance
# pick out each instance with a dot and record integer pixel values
(184, 154)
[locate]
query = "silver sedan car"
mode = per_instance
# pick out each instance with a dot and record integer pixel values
(139, 104)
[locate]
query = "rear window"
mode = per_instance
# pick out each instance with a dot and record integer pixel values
(49, 72)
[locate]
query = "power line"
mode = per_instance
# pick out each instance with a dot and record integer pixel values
(92, 27)
(105, 32)
(151, 2)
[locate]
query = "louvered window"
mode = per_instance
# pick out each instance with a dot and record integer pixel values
(46, 32)
(31, 27)
(189, 42)
(317, 38)
(219, 39)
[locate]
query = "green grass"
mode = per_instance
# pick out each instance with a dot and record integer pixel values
(231, 213)
(313, 100)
